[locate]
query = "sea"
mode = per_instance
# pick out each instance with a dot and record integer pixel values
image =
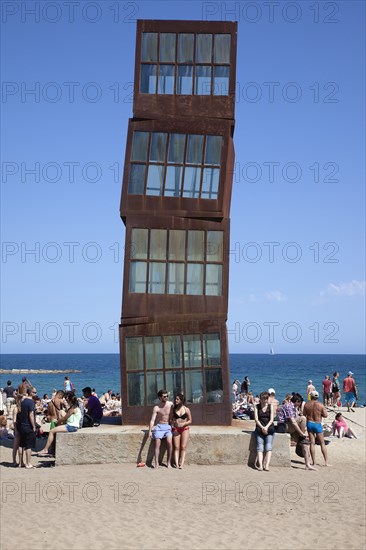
(285, 373)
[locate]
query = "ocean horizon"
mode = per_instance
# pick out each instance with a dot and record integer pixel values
(283, 372)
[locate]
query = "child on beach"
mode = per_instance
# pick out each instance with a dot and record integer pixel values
(340, 427)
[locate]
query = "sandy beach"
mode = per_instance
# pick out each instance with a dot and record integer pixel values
(118, 506)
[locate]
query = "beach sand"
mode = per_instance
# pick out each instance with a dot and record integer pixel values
(119, 506)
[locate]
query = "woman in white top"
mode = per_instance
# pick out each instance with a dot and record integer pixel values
(68, 423)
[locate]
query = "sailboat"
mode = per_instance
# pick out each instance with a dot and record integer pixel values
(271, 351)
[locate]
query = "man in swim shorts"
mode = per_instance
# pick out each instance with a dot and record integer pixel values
(162, 429)
(314, 412)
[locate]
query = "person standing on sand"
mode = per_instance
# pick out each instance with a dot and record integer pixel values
(327, 390)
(349, 387)
(314, 412)
(264, 431)
(27, 427)
(245, 385)
(180, 419)
(309, 389)
(67, 384)
(272, 400)
(336, 390)
(163, 430)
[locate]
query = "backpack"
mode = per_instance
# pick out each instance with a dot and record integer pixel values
(88, 421)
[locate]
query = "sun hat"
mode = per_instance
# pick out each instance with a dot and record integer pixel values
(314, 393)
(310, 381)
(271, 390)
(350, 373)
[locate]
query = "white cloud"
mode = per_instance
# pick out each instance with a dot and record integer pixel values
(333, 290)
(275, 296)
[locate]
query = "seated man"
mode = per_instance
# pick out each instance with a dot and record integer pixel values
(92, 405)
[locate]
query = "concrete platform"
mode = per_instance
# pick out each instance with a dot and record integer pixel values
(130, 444)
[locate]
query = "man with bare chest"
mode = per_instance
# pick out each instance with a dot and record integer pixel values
(163, 429)
(314, 412)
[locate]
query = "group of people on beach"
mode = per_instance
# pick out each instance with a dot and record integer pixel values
(331, 390)
(21, 408)
(302, 420)
(66, 412)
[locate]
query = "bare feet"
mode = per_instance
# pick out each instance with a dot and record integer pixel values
(310, 467)
(29, 466)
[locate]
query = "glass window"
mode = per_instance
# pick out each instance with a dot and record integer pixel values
(210, 183)
(136, 179)
(176, 148)
(214, 247)
(204, 48)
(154, 383)
(140, 144)
(185, 80)
(176, 278)
(148, 79)
(156, 283)
(194, 279)
(203, 81)
(192, 351)
(213, 150)
(185, 48)
(211, 350)
(155, 180)
(134, 353)
(221, 81)
(166, 79)
(174, 384)
(194, 149)
(167, 47)
(173, 352)
(173, 181)
(192, 180)
(222, 48)
(214, 388)
(196, 245)
(158, 244)
(153, 352)
(194, 386)
(213, 280)
(158, 147)
(139, 244)
(136, 389)
(138, 277)
(149, 50)
(177, 244)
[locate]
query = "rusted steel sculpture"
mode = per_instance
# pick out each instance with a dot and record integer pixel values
(175, 204)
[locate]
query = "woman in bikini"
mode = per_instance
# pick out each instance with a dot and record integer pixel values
(180, 420)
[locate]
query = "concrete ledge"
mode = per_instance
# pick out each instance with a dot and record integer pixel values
(130, 444)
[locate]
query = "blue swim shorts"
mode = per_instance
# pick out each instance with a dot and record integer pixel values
(349, 396)
(161, 431)
(314, 427)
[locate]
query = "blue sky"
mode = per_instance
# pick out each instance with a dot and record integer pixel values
(297, 264)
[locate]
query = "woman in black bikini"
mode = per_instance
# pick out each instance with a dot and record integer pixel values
(180, 419)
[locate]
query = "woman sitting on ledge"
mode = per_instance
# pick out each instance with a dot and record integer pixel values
(68, 423)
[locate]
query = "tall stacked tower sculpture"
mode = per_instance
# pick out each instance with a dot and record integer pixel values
(175, 204)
